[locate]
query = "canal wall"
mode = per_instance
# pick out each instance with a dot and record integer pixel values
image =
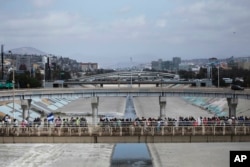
(124, 139)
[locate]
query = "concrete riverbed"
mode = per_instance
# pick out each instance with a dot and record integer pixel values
(99, 155)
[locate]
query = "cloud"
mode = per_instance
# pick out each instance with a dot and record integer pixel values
(42, 3)
(205, 21)
(133, 22)
(45, 29)
(212, 14)
(201, 25)
(161, 23)
(68, 27)
(125, 9)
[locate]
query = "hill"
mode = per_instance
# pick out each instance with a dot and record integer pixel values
(27, 51)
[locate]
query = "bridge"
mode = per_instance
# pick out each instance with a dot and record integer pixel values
(97, 133)
(134, 78)
(103, 92)
(128, 75)
(126, 134)
(231, 95)
(127, 82)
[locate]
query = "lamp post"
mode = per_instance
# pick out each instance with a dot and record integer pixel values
(29, 104)
(44, 76)
(13, 86)
(131, 72)
(218, 76)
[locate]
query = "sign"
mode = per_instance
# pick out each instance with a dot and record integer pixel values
(239, 158)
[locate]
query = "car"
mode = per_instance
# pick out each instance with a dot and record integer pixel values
(237, 87)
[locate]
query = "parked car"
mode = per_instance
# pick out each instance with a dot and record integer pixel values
(237, 87)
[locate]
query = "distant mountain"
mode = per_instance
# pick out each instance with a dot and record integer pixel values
(27, 51)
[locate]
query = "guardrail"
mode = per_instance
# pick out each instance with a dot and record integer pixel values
(130, 130)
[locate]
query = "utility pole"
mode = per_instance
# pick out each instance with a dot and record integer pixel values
(131, 72)
(13, 85)
(2, 57)
(218, 76)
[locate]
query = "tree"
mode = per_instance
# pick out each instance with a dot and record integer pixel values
(202, 73)
(24, 80)
(187, 74)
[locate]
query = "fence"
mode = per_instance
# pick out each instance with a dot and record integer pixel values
(129, 130)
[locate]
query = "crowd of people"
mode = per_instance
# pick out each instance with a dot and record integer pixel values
(68, 122)
(181, 121)
(82, 121)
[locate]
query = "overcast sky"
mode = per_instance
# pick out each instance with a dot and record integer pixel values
(111, 31)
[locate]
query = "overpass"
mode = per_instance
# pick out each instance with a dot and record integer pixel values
(136, 82)
(114, 92)
(128, 75)
(134, 77)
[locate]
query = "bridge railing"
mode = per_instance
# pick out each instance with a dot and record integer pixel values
(130, 130)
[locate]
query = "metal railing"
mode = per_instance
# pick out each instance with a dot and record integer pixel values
(128, 130)
(115, 92)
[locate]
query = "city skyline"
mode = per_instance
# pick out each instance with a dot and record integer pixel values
(112, 31)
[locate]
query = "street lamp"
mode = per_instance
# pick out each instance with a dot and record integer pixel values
(44, 63)
(29, 104)
(131, 72)
(13, 86)
(218, 76)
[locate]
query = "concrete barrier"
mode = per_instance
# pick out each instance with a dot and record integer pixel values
(243, 138)
(200, 139)
(123, 139)
(219, 138)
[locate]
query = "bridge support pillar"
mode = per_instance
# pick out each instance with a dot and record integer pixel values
(198, 84)
(232, 104)
(94, 105)
(162, 102)
(24, 106)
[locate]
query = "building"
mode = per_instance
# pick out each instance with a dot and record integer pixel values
(23, 63)
(213, 62)
(157, 65)
(170, 66)
(89, 66)
(244, 65)
(176, 63)
(189, 67)
(167, 66)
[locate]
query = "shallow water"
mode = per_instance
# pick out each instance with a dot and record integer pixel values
(130, 112)
(131, 155)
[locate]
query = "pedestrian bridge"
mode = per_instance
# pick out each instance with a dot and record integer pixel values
(129, 134)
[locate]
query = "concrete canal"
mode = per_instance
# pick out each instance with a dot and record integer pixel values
(131, 154)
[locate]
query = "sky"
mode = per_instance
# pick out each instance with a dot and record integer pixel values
(113, 31)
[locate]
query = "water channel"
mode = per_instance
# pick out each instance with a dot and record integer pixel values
(131, 154)
(129, 109)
